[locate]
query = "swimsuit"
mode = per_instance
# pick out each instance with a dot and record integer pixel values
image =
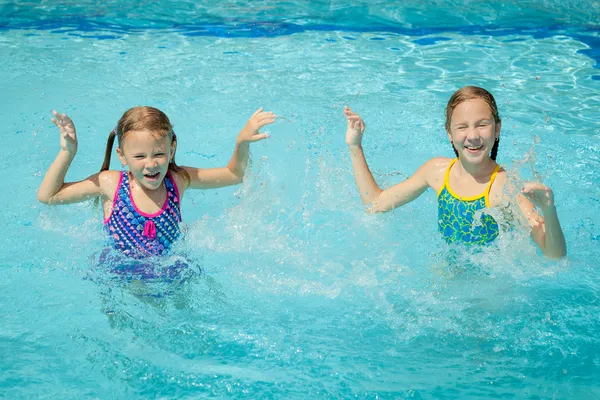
(456, 214)
(137, 234)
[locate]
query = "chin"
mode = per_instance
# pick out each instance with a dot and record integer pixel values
(155, 185)
(480, 157)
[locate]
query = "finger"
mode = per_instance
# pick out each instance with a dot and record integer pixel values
(264, 123)
(260, 136)
(535, 185)
(529, 194)
(267, 120)
(256, 112)
(266, 115)
(528, 186)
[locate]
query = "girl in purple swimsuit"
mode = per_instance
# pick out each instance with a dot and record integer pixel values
(142, 205)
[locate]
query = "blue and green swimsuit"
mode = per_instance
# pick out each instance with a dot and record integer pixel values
(456, 214)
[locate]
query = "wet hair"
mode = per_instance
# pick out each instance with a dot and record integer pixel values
(469, 93)
(143, 118)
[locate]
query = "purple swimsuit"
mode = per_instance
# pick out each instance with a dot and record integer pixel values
(137, 234)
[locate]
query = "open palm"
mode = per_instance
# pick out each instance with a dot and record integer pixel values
(68, 135)
(356, 127)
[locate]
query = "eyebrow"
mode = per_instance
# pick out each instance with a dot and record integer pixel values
(476, 121)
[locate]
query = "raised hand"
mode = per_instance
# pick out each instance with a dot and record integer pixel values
(356, 127)
(250, 131)
(68, 136)
(540, 195)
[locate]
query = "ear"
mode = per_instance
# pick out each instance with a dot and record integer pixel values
(449, 135)
(121, 156)
(497, 133)
(173, 149)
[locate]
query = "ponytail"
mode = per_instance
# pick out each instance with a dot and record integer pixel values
(109, 146)
(173, 167)
(495, 149)
(106, 164)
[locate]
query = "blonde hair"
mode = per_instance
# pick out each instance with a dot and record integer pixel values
(469, 93)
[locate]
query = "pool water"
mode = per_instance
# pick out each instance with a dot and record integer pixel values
(293, 291)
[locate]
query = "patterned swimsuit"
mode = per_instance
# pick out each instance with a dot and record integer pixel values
(137, 234)
(456, 214)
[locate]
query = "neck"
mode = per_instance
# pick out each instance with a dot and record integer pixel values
(151, 193)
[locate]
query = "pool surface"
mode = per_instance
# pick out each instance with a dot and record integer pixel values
(293, 291)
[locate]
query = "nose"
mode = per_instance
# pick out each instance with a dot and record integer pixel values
(472, 134)
(150, 164)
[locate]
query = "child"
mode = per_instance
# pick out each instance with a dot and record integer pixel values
(141, 206)
(465, 184)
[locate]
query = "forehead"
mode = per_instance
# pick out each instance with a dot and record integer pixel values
(144, 139)
(472, 109)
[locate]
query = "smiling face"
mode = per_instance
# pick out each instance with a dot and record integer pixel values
(473, 130)
(147, 155)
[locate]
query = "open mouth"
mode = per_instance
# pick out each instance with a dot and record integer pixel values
(152, 176)
(474, 149)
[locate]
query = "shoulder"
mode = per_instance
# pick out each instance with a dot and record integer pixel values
(438, 163)
(109, 181)
(181, 178)
(502, 188)
(432, 171)
(501, 177)
(436, 167)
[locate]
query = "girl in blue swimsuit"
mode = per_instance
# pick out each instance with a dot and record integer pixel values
(466, 184)
(142, 204)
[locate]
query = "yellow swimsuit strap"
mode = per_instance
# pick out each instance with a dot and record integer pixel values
(447, 177)
(487, 190)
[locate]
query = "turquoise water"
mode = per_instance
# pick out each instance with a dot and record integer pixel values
(302, 295)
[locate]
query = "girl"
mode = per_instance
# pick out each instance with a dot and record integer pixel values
(141, 205)
(465, 184)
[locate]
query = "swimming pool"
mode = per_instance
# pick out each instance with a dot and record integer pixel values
(301, 295)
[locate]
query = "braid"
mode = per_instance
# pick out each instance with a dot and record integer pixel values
(495, 149)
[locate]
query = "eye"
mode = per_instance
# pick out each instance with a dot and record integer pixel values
(159, 155)
(138, 156)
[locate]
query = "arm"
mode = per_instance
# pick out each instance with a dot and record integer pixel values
(545, 229)
(370, 193)
(233, 173)
(53, 189)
